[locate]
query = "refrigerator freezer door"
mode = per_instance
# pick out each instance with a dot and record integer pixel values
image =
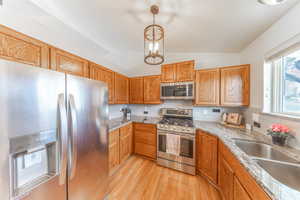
(29, 131)
(89, 168)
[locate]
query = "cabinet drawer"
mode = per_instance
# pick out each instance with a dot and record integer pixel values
(145, 127)
(145, 137)
(145, 150)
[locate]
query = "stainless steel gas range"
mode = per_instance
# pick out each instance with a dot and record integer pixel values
(176, 140)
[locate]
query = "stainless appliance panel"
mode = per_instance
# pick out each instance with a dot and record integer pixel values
(29, 104)
(89, 179)
(178, 90)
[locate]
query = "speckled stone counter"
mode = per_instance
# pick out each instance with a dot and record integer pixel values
(274, 188)
(118, 122)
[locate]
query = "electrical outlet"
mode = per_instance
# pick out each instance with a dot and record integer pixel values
(216, 110)
(146, 112)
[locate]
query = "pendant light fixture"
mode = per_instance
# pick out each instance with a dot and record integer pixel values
(271, 2)
(154, 41)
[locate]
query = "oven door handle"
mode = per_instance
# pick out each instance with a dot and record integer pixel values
(160, 132)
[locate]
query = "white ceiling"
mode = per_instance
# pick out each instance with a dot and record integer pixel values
(190, 25)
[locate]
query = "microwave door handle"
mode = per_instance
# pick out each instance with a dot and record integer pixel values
(73, 135)
(63, 138)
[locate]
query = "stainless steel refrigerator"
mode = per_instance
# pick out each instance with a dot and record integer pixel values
(53, 135)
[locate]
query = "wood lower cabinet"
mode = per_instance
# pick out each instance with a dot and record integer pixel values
(125, 142)
(226, 177)
(145, 139)
(114, 150)
(136, 90)
(185, 71)
(239, 191)
(121, 89)
(168, 73)
(63, 61)
(207, 155)
(100, 73)
(20, 48)
(207, 87)
(229, 169)
(152, 90)
(235, 85)
(120, 146)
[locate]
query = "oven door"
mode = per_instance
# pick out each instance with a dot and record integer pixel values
(187, 147)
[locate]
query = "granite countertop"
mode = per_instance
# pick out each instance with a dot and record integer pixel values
(274, 188)
(119, 122)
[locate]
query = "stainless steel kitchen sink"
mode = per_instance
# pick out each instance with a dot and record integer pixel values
(286, 173)
(262, 150)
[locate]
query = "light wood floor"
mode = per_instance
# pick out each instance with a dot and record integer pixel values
(141, 179)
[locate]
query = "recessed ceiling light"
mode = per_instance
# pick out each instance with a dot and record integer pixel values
(271, 2)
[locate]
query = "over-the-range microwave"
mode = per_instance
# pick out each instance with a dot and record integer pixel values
(179, 90)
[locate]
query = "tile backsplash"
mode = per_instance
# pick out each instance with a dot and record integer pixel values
(199, 113)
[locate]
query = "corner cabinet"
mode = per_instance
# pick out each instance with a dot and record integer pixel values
(208, 87)
(152, 89)
(63, 61)
(207, 155)
(121, 89)
(20, 48)
(235, 87)
(100, 73)
(136, 90)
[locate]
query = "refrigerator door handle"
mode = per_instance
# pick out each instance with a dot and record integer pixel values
(63, 138)
(73, 135)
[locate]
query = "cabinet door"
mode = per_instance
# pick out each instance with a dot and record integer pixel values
(207, 161)
(114, 150)
(208, 87)
(225, 180)
(235, 86)
(168, 73)
(18, 47)
(185, 71)
(100, 73)
(125, 142)
(239, 192)
(152, 90)
(121, 89)
(137, 90)
(145, 140)
(65, 62)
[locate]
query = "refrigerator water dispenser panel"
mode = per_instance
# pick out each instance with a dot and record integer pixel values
(33, 161)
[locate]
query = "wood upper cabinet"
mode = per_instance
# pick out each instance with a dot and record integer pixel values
(185, 71)
(168, 73)
(207, 155)
(18, 47)
(145, 139)
(176, 72)
(208, 87)
(125, 142)
(235, 87)
(152, 89)
(100, 73)
(136, 90)
(63, 61)
(239, 191)
(121, 89)
(114, 150)
(226, 177)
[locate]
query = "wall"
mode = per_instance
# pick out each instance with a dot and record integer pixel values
(285, 29)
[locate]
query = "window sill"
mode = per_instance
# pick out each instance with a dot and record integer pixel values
(283, 116)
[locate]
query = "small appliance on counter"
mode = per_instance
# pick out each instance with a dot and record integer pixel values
(233, 120)
(126, 114)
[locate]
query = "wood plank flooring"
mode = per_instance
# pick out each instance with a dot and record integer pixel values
(141, 179)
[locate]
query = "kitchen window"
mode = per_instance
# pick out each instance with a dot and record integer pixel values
(282, 83)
